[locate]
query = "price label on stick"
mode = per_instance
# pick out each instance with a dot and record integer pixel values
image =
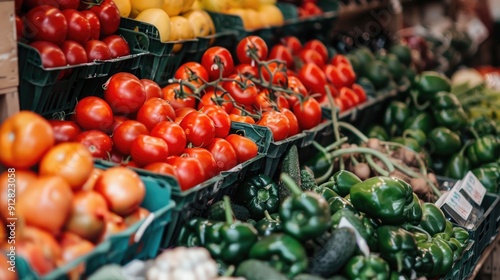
(459, 204)
(473, 188)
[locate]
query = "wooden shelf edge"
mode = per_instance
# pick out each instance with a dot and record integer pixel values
(484, 256)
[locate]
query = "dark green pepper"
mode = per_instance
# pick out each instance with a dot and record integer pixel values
(443, 141)
(442, 235)
(415, 213)
(282, 252)
(448, 228)
(458, 165)
(420, 236)
(325, 192)
(437, 259)
(408, 142)
(304, 215)
(318, 164)
(258, 194)
(424, 262)
(395, 116)
(447, 254)
(484, 150)
(269, 224)
(445, 100)
(488, 177)
(378, 73)
(378, 132)
(371, 267)
(193, 233)
(461, 235)
(457, 247)
(433, 219)
(396, 68)
(398, 247)
(484, 126)
(417, 134)
(422, 121)
(364, 229)
(454, 119)
(343, 180)
(429, 83)
(338, 203)
(388, 199)
(403, 53)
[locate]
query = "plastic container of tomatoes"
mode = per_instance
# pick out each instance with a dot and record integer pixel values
(51, 90)
(140, 241)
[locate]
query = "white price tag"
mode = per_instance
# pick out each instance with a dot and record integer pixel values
(473, 188)
(459, 204)
(363, 246)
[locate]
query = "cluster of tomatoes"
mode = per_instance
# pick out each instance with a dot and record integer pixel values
(70, 32)
(62, 204)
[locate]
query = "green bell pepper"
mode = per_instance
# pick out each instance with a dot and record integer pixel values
(403, 53)
(343, 180)
(398, 247)
(364, 228)
(325, 192)
(269, 224)
(488, 177)
(318, 164)
(388, 199)
(378, 132)
(461, 234)
(363, 268)
(454, 119)
(429, 83)
(408, 142)
(396, 68)
(485, 149)
(433, 219)
(378, 73)
(448, 229)
(457, 247)
(422, 121)
(304, 215)
(417, 134)
(458, 165)
(282, 252)
(193, 233)
(424, 262)
(420, 236)
(395, 116)
(443, 141)
(258, 194)
(442, 235)
(437, 259)
(338, 203)
(445, 100)
(447, 254)
(484, 126)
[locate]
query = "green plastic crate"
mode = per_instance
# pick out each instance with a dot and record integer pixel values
(121, 248)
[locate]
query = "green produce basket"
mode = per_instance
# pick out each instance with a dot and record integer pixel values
(140, 241)
(462, 267)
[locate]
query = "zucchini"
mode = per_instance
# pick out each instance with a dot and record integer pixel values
(307, 277)
(307, 180)
(258, 270)
(334, 254)
(291, 166)
(217, 212)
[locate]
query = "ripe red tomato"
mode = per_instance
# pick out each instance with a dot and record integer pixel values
(126, 133)
(318, 46)
(97, 50)
(161, 168)
(109, 17)
(97, 142)
(147, 149)
(78, 26)
(179, 96)
(283, 53)
(311, 56)
(206, 159)
(245, 148)
(64, 131)
(124, 93)
(246, 70)
(93, 113)
(117, 121)
(277, 122)
(340, 59)
(313, 78)
(213, 57)
(293, 43)
(30, 4)
(117, 45)
(192, 72)
(152, 89)
(278, 70)
(51, 54)
(311, 8)
(189, 171)
(292, 119)
(298, 88)
(240, 118)
(340, 76)
(155, 110)
(220, 118)
(95, 24)
(242, 90)
(251, 48)
(182, 112)
(263, 101)
(348, 73)
(68, 4)
(350, 96)
(224, 154)
(45, 23)
(216, 97)
(75, 54)
(360, 92)
(308, 113)
(282, 101)
(199, 129)
(172, 134)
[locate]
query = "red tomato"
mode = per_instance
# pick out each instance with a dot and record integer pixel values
(206, 159)
(308, 113)
(161, 168)
(293, 43)
(282, 101)
(348, 73)
(224, 154)
(93, 113)
(192, 72)
(172, 134)
(318, 46)
(117, 45)
(245, 148)
(98, 143)
(220, 118)
(278, 70)
(30, 4)
(360, 92)
(117, 121)
(199, 128)
(216, 97)
(75, 54)
(19, 28)
(263, 101)
(45, 23)
(340, 59)
(246, 70)
(298, 88)
(182, 112)
(242, 90)
(95, 24)
(179, 96)
(78, 26)
(154, 111)
(311, 56)
(240, 118)
(283, 53)
(277, 122)
(215, 57)
(350, 96)
(313, 78)
(311, 8)
(124, 93)
(189, 171)
(341, 103)
(109, 17)
(152, 89)
(147, 149)
(68, 4)
(126, 133)
(97, 50)
(251, 48)
(292, 119)
(340, 76)
(64, 131)
(51, 54)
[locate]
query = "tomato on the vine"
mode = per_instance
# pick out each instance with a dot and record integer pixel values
(319, 47)
(241, 89)
(277, 122)
(192, 72)
(147, 149)
(246, 70)
(308, 113)
(277, 70)
(155, 110)
(244, 147)
(45, 23)
(311, 56)
(298, 88)
(78, 26)
(293, 43)
(152, 89)
(313, 78)
(206, 159)
(220, 118)
(172, 134)
(199, 128)
(94, 113)
(97, 142)
(126, 133)
(263, 101)
(186, 169)
(283, 53)
(224, 154)
(215, 57)
(250, 48)
(124, 93)
(217, 97)
(179, 96)
(292, 119)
